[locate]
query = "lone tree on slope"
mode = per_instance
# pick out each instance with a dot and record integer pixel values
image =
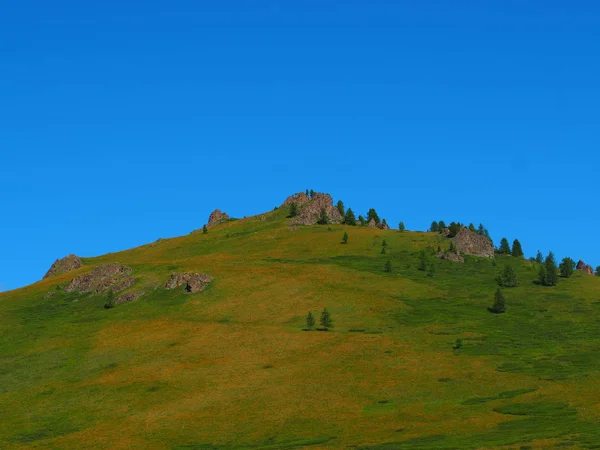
(325, 320)
(508, 277)
(388, 266)
(516, 249)
(499, 306)
(567, 266)
(504, 247)
(110, 300)
(204, 229)
(293, 210)
(350, 218)
(401, 226)
(345, 238)
(340, 208)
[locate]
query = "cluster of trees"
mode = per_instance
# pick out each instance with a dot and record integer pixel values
(325, 321)
(454, 227)
(505, 249)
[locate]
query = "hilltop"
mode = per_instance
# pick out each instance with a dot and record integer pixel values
(201, 341)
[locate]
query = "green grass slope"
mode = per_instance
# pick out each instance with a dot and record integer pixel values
(230, 367)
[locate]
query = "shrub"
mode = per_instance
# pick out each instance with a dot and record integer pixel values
(293, 210)
(110, 300)
(423, 260)
(323, 219)
(310, 321)
(508, 277)
(457, 344)
(204, 229)
(384, 243)
(325, 320)
(499, 306)
(388, 266)
(383, 250)
(345, 238)
(401, 226)
(567, 266)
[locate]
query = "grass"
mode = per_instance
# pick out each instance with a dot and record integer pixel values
(230, 367)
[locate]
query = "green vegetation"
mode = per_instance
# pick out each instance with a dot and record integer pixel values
(340, 208)
(566, 267)
(517, 251)
(325, 320)
(504, 247)
(508, 277)
(598, 271)
(230, 367)
(204, 229)
(323, 218)
(499, 306)
(110, 300)
(387, 266)
(310, 321)
(372, 215)
(293, 210)
(345, 238)
(350, 219)
(548, 274)
(401, 226)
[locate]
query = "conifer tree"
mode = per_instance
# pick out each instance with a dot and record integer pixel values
(548, 274)
(110, 300)
(293, 210)
(340, 208)
(384, 223)
(539, 258)
(310, 321)
(598, 271)
(372, 214)
(384, 243)
(323, 219)
(508, 277)
(361, 220)
(504, 247)
(350, 219)
(454, 228)
(472, 228)
(204, 229)
(567, 266)
(307, 192)
(401, 226)
(434, 227)
(516, 249)
(311, 193)
(345, 238)
(388, 266)
(499, 306)
(431, 270)
(383, 250)
(325, 320)
(423, 260)
(441, 226)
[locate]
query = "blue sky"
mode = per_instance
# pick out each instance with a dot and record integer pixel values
(122, 122)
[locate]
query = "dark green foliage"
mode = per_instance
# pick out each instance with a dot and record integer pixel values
(458, 344)
(340, 208)
(383, 250)
(384, 243)
(401, 226)
(323, 219)
(431, 269)
(504, 247)
(508, 277)
(388, 266)
(482, 231)
(598, 271)
(350, 219)
(517, 251)
(310, 321)
(441, 225)
(361, 219)
(384, 223)
(567, 266)
(548, 275)
(204, 229)
(423, 260)
(472, 228)
(345, 238)
(434, 227)
(499, 306)
(539, 258)
(293, 210)
(454, 228)
(110, 300)
(452, 248)
(325, 320)
(307, 192)
(311, 193)
(372, 214)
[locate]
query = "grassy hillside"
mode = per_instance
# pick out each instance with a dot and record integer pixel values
(230, 367)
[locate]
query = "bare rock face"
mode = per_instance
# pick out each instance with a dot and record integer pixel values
(63, 265)
(128, 297)
(383, 225)
(446, 232)
(102, 278)
(299, 199)
(451, 256)
(311, 210)
(585, 268)
(194, 282)
(471, 243)
(372, 224)
(216, 217)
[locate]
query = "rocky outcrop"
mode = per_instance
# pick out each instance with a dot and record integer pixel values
(128, 297)
(311, 210)
(217, 217)
(193, 282)
(445, 231)
(372, 223)
(451, 256)
(583, 267)
(299, 199)
(383, 225)
(102, 278)
(63, 265)
(471, 243)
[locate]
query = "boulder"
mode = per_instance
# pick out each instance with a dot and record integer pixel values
(194, 282)
(128, 297)
(383, 225)
(451, 256)
(311, 210)
(445, 231)
(63, 265)
(371, 223)
(299, 199)
(217, 217)
(471, 243)
(585, 268)
(102, 278)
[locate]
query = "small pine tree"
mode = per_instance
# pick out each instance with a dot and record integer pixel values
(472, 228)
(345, 238)
(434, 227)
(452, 248)
(454, 227)
(517, 251)
(388, 266)
(539, 258)
(567, 266)
(431, 270)
(401, 226)
(310, 321)
(204, 229)
(504, 247)
(372, 214)
(350, 219)
(361, 220)
(549, 273)
(340, 208)
(458, 344)
(325, 320)
(383, 250)
(481, 230)
(598, 271)
(499, 306)
(508, 277)
(441, 225)
(307, 192)
(384, 243)
(311, 193)
(323, 219)
(110, 300)
(423, 260)
(293, 210)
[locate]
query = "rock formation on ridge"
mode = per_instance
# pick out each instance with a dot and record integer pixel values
(66, 264)
(471, 243)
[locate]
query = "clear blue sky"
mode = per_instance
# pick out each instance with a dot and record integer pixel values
(125, 121)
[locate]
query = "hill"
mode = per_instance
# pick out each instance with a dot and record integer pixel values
(229, 366)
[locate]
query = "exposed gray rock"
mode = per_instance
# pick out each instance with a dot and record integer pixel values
(383, 225)
(471, 243)
(372, 224)
(128, 297)
(194, 282)
(217, 217)
(102, 278)
(63, 265)
(311, 210)
(583, 267)
(445, 231)
(299, 199)
(451, 256)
